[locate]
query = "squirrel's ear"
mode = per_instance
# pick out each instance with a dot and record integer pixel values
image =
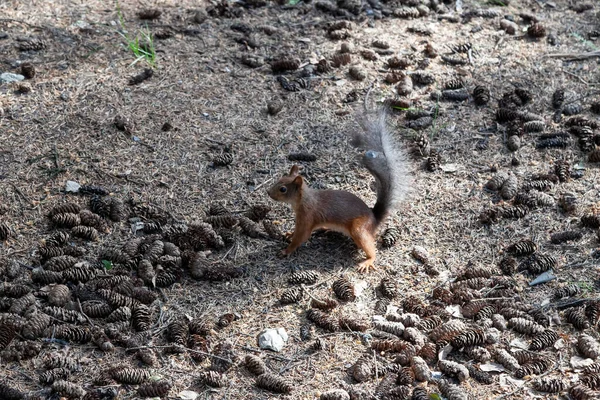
(298, 181)
(294, 171)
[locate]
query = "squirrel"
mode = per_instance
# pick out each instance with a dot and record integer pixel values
(342, 211)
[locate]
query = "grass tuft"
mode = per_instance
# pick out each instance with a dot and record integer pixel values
(142, 45)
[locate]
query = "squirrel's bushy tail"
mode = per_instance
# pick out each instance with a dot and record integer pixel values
(386, 161)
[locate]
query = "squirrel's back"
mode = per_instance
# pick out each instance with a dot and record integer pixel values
(385, 159)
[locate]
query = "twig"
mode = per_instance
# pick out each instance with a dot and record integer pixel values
(84, 314)
(575, 56)
(55, 158)
(119, 176)
(578, 265)
(214, 141)
(576, 76)
(20, 22)
(262, 184)
(19, 252)
(559, 305)
(376, 366)
(182, 347)
(149, 146)
(496, 298)
(308, 293)
(509, 395)
(21, 194)
(275, 356)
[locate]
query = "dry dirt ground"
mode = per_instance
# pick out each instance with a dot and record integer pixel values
(63, 128)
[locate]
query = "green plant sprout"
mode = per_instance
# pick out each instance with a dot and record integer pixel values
(142, 48)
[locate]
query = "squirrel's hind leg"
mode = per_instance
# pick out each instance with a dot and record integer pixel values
(365, 240)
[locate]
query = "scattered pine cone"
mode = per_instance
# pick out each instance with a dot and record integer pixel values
(508, 361)
(536, 30)
(389, 288)
(66, 220)
(258, 212)
(285, 64)
(434, 161)
(225, 220)
(395, 328)
(306, 277)
(567, 291)
(149, 14)
(549, 385)
(390, 237)
(344, 289)
(68, 389)
(322, 320)
(565, 236)
(543, 340)
(335, 394)
(222, 160)
(154, 389)
(588, 346)
(4, 231)
(272, 230)
(535, 367)
(525, 326)
(249, 228)
(255, 365)
(28, 70)
(357, 73)
(577, 317)
(7, 334)
(471, 337)
(363, 369)
(85, 232)
(352, 324)
(324, 304)
(523, 247)
(341, 59)
(273, 383)
(291, 295)
(594, 156)
(213, 379)
(454, 369)
(582, 392)
(479, 375)
(481, 95)
(421, 369)
(538, 263)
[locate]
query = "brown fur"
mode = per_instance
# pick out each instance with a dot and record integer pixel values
(337, 210)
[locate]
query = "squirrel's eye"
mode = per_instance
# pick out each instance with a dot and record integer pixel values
(283, 189)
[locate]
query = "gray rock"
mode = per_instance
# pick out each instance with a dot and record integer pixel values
(7, 77)
(72, 186)
(272, 339)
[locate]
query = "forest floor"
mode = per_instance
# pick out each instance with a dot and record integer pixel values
(213, 98)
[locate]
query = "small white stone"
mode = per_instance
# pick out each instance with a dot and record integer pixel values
(272, 339)
(188, 395)
(8, 77)
(72, 186)
(491, 367)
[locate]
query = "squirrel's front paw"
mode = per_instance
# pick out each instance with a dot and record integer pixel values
(283, 253)
(365, 267)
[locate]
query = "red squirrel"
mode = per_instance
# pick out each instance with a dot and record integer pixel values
(342, 211)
